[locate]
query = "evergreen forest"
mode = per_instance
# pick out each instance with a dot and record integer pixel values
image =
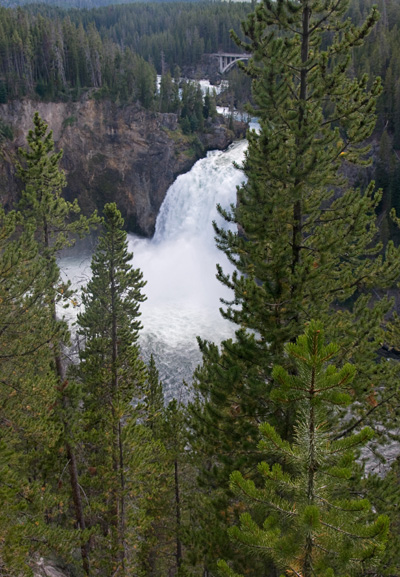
(52, 53)
(263, 473)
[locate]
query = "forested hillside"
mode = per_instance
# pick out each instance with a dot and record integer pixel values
(263, 473)
(118, 49)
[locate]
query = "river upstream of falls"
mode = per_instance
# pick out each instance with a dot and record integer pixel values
(179, 265)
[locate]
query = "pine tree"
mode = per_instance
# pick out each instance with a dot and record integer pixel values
(56, 223)
(27, 394)
(113, 381)
(175, 441)
(210, 105)
(170, 493)
(25, 330)
(176, 547)
(169, 94)
(150, 488)
(56, 220)
(154, 398)
(164, 504)
(305, 244)
(32, 458)
(148, 550)
(384, 494)
(313, 525)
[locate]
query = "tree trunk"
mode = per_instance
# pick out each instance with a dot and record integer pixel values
(178, 517)
(73, 469)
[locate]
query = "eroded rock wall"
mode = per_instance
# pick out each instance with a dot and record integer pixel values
(124, 154)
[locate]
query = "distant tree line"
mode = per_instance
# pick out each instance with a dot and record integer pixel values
(54, 54)
(74, 3)
(169, 34)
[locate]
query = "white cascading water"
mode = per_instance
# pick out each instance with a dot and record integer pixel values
(179, 265)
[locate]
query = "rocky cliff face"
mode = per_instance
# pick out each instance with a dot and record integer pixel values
(124, 154)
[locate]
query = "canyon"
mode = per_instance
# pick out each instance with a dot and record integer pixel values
(125, 154)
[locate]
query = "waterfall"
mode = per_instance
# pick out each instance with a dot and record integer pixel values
(179, 265)
(190, 204)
